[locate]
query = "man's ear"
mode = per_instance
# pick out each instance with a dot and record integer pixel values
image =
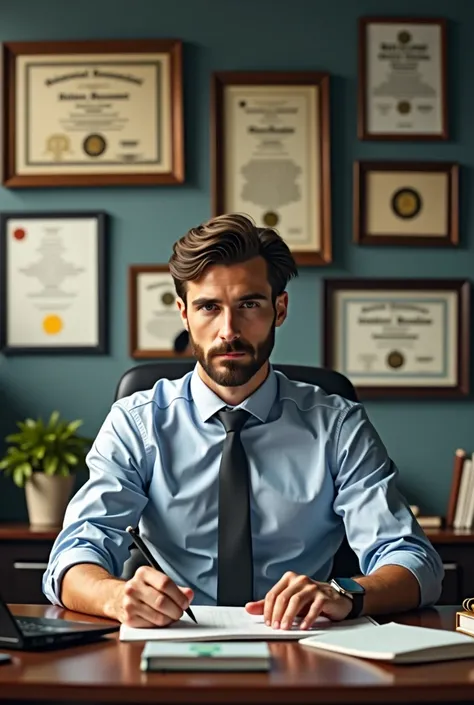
(182, 311)
(281, 308)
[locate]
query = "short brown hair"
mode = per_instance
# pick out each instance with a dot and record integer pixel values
(230, 239)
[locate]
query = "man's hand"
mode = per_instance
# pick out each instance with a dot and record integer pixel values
(298, 596)
(151, 599)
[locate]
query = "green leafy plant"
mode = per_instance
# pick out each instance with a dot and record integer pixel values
(54, 448)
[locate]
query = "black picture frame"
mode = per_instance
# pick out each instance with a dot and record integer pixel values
(6, 346)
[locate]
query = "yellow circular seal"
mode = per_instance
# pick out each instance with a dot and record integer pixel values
(395, 359)
(271, 219)
(94, 145)
(52, 324)
(406, 202)
(167, 299)
(404, 107)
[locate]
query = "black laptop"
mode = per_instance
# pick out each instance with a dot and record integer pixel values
(38, 633)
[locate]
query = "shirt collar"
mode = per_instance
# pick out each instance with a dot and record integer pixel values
(258, 404)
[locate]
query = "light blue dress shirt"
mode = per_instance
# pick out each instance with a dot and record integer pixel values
(317, 467)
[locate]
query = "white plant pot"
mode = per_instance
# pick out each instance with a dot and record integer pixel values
(47, 497)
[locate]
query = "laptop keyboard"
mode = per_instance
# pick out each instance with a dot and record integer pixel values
(28, 627)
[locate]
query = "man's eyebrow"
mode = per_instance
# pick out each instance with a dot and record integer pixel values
(205, 301)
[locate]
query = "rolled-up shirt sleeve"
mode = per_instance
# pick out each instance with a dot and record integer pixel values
(380, 526)
(95, 522)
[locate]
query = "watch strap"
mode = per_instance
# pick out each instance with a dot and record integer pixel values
(357, 605)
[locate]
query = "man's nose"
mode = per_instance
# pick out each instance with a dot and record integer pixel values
(228, 331)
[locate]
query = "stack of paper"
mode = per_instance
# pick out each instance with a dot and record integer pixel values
(223, 623)
(398, 643)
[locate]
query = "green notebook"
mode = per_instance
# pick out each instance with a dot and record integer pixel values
(205, 656)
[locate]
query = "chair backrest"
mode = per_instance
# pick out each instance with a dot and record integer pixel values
(144, 377)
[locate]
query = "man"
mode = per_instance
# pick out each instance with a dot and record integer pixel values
(242, 481)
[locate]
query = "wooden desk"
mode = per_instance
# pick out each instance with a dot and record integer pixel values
(109, 672)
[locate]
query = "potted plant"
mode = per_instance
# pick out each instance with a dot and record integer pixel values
(42, 458)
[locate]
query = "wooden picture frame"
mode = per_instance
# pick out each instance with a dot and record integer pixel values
(155, 327)
(406, 203)
(402, 84)
(409, 338)
(50, 262)
(260, 168)
(75, 113)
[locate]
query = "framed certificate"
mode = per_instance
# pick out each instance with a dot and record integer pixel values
(93, 113)
(402, 79)
(53, 289)
(399, 338)
(271, 156)
(156, 329)
(406, 203)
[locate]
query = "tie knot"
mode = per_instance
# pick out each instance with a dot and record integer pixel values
(233, 420)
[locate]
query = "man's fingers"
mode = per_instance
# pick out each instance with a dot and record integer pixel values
(281, 601)
(314, 611)
(160, 602)
(162, 583)
(138, 613)
(255, 607)
(273, 594)
(295, 604)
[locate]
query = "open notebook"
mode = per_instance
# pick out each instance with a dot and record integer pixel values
(398, 643)
(220, 623)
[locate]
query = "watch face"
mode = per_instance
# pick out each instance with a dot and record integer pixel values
(350, 585)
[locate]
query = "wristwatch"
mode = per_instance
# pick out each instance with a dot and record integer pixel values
(353, 590)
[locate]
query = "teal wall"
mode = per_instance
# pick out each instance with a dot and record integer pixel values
(247, 35)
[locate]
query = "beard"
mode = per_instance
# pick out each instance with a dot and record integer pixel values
(234, 373)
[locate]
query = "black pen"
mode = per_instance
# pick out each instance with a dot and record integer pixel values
(146, 553)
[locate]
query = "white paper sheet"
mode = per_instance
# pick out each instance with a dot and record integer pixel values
(221, 623)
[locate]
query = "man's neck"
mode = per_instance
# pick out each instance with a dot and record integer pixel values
(235, 395)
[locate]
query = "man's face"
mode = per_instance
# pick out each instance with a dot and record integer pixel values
(231, 320)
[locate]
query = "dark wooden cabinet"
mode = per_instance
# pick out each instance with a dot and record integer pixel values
(24, 553)
(456, 548)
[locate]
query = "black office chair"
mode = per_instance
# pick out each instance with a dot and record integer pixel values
(144, 376)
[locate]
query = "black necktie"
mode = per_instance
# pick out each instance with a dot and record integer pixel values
(234, 550)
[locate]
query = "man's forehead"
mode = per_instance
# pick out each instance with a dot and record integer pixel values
(251, 276)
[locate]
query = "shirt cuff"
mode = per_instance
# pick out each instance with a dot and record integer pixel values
(53, 576)
(429, 580)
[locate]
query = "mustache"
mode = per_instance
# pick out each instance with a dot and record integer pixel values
(235, 347)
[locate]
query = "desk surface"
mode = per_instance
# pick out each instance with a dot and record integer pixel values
(109, 672)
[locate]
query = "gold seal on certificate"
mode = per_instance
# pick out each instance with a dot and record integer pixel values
(94, 113)
(271, 156)
(94, 145)
(402, 79)
(395, 359)
(271, 219)
(406, 202)
(399, 337)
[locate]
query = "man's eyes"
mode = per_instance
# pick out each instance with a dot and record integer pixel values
(209, 308)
